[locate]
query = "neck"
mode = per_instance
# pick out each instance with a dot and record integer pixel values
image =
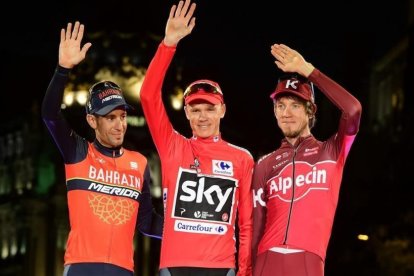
(293, 139)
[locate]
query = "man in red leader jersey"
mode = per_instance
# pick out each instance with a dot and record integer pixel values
(206, 181)
(296, 187)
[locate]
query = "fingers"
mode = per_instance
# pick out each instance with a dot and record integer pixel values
(179, 7)
(283, 53)
(183, 9)
(172, 11)
(192, 24)
(75, 30)
(277, 52)
(75, 34)
(80, 32)
(188, 12)
(284, 48)
(62, 35)
(85, 48)
(191, 11)
(284, 56)
(68, 31)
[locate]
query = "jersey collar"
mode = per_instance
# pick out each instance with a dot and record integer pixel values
(110, 152)
(212, 139)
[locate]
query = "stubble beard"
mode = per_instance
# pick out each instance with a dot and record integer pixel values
(292, 133)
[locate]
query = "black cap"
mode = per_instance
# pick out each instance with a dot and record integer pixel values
(105, 96)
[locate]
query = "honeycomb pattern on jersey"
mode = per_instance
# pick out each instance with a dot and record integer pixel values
(115, 211)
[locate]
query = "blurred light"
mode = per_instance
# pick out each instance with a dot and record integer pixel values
(135, 88)
(136, 121)
(363, 237)
(23, 246)
(13, 247)
(81, 97)
(68, 98)
(5, 249)
(176, 103)
(177, 98)
(156, 191)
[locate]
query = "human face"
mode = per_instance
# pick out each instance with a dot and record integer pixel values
(205, 118)
(292, 118)
(109, 129)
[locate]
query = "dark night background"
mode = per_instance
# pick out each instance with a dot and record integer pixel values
(231, 44)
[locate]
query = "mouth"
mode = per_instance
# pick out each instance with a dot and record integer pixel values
(118, 136)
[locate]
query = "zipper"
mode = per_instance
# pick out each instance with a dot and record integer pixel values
(112, 225)
(295, 150)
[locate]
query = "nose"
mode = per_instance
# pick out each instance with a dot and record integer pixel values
(119, 123)
(203, 115)
(286, 112)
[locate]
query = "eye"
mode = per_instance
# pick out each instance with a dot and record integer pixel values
(109, 117)
(280, 107)
(296, 105)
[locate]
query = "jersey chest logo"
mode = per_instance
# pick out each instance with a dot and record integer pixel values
(294, 185)
(204, 197)
(222, 167)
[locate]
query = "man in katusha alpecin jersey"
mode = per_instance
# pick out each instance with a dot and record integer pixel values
(296, 187)
(206, 181)
(108, 185)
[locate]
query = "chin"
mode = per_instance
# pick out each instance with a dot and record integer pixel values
(117, 143)
(204, 134)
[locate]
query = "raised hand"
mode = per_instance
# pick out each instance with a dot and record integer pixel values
(70, 51)
(180, 22)
(289, 60)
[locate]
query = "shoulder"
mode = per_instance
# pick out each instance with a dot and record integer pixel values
(135, 155)
(265, 157)
(241, 150)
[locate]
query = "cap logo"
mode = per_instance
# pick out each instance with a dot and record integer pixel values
(291, 83)
(108, 92)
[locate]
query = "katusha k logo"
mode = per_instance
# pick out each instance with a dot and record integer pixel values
(292, 83)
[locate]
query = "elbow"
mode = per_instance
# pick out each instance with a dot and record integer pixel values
(354, 117)
(355, 111)
(144, 96)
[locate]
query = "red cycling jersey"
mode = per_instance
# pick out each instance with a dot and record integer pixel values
(296, 187)
(206, 184)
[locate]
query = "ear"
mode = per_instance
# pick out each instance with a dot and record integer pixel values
(91, 121)
(223, 111)
(186, 112)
